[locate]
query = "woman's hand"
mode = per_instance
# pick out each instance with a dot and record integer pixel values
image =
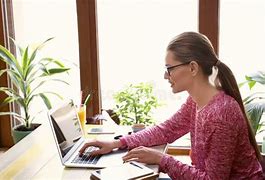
(144, 155)
(104, 146)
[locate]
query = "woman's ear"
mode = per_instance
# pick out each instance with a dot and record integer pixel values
(194, 68)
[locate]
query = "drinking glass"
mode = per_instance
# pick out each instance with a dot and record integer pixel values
(82, 115)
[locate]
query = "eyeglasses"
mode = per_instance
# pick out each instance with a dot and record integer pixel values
(170, 68)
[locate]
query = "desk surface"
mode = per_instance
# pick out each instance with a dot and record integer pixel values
(36, 157)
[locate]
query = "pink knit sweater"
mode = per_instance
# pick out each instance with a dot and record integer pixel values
(219, 141)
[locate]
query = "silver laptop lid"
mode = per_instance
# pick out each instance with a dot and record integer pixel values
(66, 129)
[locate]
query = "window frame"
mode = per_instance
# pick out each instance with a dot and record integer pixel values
(6, 31)
(209, 21)
(88, 53)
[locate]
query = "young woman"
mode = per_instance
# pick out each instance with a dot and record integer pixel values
(222, 143)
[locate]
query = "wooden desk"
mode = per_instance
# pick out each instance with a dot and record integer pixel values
(35, 157)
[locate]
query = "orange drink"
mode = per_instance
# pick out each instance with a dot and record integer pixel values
(82, 115)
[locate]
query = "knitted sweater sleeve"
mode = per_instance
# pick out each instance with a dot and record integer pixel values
(220, 137)
(166, 132)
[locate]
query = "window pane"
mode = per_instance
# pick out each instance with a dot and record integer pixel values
(242, 27)
(133, 36)
(37, 20)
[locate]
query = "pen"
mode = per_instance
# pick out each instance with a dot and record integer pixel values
(132, 163)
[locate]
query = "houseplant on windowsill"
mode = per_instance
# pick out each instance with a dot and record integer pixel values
(28, 73)
(134, 105)
(255, 106)
(255, 103)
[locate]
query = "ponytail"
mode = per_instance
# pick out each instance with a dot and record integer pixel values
(228, 83)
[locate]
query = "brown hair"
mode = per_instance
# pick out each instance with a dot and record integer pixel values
(195, 46)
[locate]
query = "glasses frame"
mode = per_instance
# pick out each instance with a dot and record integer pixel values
(169, 68)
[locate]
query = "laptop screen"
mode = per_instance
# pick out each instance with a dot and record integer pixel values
(66, 127)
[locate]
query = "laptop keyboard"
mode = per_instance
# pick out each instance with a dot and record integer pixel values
(86, 158)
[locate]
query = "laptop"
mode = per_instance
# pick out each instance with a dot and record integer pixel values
(67, 134)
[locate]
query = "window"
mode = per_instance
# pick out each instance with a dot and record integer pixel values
(133, 36)
(38, 20)
(242, 37)
(242, 27)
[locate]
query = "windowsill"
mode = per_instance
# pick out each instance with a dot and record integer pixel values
(182, 145)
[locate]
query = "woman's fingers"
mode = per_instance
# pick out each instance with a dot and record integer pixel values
(104, 147)
(97, 152)
(86, 145)
(128, 157)
(133, 154)
(144, 155)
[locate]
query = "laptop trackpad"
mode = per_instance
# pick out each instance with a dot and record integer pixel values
(113, 158)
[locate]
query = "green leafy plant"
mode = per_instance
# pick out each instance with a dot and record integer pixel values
(254, 103)
(134, 104)
(28, 73)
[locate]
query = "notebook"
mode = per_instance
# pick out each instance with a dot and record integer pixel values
(67, 134)
(129, 170)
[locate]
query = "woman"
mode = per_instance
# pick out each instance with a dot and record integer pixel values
(222, 143)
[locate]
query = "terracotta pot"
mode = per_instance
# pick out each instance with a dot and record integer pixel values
(138, 127)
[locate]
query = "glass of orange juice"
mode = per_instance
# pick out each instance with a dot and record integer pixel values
(81, 110)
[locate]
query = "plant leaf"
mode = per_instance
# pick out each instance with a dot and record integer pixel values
(15, 115)
(3, 71)
(46, 100)
(25, 61)
(255, 112)
(33, 55)
(254, 96)
(10, 60)
(57, 70)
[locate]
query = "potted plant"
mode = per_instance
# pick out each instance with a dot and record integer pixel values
(28, 73)
(134, 105)
(255, 106)
(254, 103)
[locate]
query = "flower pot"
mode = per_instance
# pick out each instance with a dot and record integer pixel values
(138, 127)
(19, 132)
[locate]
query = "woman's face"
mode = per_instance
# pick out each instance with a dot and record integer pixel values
(179, 77)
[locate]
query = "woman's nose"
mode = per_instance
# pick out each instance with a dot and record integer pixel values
(166, 76)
